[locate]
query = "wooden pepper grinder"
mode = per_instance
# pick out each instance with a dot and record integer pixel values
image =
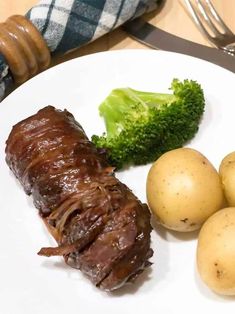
(24, 48)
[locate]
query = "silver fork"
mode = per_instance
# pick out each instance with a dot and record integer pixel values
(204, 14)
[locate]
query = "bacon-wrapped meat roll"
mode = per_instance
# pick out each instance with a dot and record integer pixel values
(101, 228)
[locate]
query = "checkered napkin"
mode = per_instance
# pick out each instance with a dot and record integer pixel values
(69, 24)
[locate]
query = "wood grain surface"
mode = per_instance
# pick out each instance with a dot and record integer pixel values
(172, 18)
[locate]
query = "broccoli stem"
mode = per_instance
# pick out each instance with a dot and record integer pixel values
(123, 100)
(155, 99)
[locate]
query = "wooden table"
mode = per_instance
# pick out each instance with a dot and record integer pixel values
(172, 18)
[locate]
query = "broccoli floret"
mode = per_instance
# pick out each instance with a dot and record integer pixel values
(141, 126)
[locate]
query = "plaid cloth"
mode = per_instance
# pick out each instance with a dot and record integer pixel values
(69, 24)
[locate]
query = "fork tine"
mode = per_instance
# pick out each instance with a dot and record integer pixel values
(215, 14)
(207, 18)
(197, 20)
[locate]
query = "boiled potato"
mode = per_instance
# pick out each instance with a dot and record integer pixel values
(216, 252)
(227, 173)
(183, 189)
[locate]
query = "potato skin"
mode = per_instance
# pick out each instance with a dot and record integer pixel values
(183, 189)
(216, 252)
(227, 174)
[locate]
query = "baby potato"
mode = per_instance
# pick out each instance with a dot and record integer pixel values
(227, 174)
(216, 252)
(183, 189)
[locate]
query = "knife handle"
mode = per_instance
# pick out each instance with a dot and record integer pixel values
(24, 48)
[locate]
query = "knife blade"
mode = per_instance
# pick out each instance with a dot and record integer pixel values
(156, 38)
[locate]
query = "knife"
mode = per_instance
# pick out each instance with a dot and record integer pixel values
(156, 38)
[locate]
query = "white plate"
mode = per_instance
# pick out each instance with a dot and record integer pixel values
(32, 284)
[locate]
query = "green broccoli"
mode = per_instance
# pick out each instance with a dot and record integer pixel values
(141, 126)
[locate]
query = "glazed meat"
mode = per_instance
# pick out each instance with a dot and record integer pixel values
(100, 226)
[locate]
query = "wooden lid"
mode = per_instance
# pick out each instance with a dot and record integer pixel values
(24, 48)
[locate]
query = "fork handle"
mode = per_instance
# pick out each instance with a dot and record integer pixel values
(24, 48)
